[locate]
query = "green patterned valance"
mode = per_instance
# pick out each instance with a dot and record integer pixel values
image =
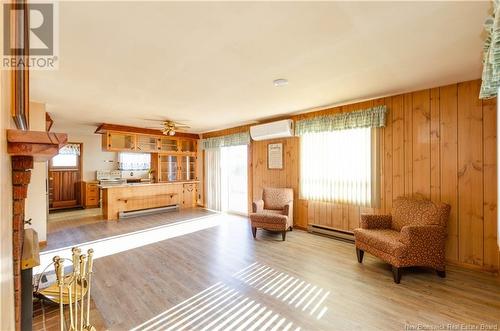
(491, 56)
(372, 117)
(242, 138)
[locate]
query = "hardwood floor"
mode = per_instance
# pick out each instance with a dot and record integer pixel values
(221, 278)
(90, 227)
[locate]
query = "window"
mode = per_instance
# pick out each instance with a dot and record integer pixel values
(134, 161)
(68, 157)
(340, 166)
(65, 161)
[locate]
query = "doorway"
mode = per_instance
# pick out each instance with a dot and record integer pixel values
(65, 178)
(234, 186)
(226, 173)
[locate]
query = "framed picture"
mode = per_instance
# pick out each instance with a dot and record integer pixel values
(275, 156)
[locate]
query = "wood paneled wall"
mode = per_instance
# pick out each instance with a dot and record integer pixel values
(438, 142)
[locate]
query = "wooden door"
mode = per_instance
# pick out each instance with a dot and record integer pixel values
(65, 181)
(64, 189)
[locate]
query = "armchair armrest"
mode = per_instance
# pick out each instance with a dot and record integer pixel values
(288, 208)
(369, 221)
(258, 206)
(426, 235)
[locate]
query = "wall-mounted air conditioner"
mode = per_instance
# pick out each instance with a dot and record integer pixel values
(273, 130)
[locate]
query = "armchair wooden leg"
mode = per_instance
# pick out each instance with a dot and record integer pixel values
(360, 254)
(441, 273)
(283, 235)
(396, 273)
(254, 232)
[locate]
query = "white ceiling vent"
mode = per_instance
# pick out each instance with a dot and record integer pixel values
(273, 130)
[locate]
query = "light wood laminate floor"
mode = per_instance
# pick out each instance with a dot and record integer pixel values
(221, 278)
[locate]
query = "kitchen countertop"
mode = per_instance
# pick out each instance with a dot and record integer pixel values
(148, 184)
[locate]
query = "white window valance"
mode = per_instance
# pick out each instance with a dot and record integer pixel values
(241, 138)
(366, 118)
(70, 149)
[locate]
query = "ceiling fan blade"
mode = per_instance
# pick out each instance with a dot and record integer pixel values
(152, 119)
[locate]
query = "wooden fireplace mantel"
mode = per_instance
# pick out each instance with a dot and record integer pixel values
(41, 145)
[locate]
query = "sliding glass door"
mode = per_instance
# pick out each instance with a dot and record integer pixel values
(226, 179)
(234, 168)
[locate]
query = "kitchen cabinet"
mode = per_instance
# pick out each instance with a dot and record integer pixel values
(119, 141)
(91, 195)
(168, 168)
(187, 168)
(146, 143)
(168, 145)
(189, 195)
(176, 167)
(187, 145)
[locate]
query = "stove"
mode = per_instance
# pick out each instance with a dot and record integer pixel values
(110, 178)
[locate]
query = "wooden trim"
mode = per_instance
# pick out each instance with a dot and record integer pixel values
(39, 144)
(42, 244)
(48, 122)
(20, 77)
(103, 128)
(250, 177)
(224, 132)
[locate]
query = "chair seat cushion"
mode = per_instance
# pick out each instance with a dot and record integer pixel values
(386, 240)
(274, 212)
(269, 218)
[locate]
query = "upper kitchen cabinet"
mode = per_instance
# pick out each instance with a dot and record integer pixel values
(147, 143)
(169, 145)
(187, 145)
(119, 141)
(128, 138)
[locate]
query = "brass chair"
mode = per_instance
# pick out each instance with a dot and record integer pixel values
(413, 235)
(274, 212)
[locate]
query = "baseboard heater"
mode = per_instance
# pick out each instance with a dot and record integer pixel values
(149, 211)
(329, 232)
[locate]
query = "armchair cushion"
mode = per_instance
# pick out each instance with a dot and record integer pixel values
(415, 235)
(376, 221)
(258, 206)
(288, 209)
(411, 211)
(276, 198)
(384, 240)
(426, 245)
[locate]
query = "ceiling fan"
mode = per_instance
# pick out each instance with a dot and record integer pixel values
(168, 127)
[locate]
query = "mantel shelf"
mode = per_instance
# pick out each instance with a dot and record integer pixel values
(39, 144)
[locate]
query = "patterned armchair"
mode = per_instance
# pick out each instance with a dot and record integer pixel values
(414, 235)
(274, 211)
